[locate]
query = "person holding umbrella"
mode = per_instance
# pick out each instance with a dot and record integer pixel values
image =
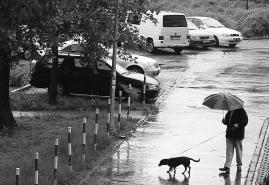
(236, 119)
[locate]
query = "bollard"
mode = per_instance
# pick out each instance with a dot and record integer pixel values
(144, 92)
(55, 161)
(129, 102)
(119, 115)
(108, 117)
(95, 130)
(36, 168)
(84, 139)
(17, 176)
(69, 149)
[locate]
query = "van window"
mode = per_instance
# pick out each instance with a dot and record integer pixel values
(134, 18)
(174, 21)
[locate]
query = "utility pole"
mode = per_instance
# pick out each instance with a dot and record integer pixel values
(113, 70)
(246, 4)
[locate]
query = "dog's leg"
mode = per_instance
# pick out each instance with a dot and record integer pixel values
(174, 171)
(189, 170)
(185, 169)
(169, 170)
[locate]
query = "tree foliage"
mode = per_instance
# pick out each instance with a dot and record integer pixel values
(41, 24)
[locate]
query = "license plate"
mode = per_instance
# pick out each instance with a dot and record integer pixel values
(236, 39)
(175, 37)
(206, 41)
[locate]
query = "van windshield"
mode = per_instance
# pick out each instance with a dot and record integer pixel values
(174, 21)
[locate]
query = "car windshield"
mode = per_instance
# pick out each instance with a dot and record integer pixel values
(212, 23)
(192, 26)
(119, 68)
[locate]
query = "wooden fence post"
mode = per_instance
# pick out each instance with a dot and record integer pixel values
(84, 139)
(119, 114)
(55, 161)
(144, 92)
(129, 102)
(69, 149)
(36, 168)
(95, 130)
(17, 176)
(108, 116)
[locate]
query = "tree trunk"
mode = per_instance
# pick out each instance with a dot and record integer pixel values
(6, 116)
(54, 74)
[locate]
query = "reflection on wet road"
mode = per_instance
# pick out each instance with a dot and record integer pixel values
(183, 126)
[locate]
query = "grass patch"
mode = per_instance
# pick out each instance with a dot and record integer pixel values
(37, 134)
(22, 101)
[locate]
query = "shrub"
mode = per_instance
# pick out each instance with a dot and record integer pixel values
(256, 23)
(19, 75)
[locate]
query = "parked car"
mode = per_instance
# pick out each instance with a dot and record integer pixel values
(170, 30)
(222, 34)
(75, 77)
(200, 37)
(138, 63)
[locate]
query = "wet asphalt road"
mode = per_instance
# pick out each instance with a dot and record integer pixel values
(182, 126)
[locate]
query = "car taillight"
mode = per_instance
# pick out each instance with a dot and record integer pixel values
(161, 37)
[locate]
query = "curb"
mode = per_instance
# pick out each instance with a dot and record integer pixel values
(85, 176)
(253, 167)
(256, 38)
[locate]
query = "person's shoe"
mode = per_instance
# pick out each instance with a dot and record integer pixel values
(239, 169)
(225, 169)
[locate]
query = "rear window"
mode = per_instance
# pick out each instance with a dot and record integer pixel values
(174, 21)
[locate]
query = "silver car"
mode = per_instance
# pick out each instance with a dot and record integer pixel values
(222, 34)
(200, 37)
(137, 63)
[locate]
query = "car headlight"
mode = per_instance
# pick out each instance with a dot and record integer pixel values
(194, 38)
(226, 35)
(151, 66)
(152, 87)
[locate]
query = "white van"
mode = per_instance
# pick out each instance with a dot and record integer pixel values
(170, 30)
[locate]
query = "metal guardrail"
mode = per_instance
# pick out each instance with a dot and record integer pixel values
(21, 88)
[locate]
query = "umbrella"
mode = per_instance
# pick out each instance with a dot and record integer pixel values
(223, 101)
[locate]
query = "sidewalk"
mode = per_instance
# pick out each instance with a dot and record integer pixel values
(173, 132)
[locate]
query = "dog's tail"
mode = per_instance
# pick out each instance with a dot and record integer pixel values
(194, 160)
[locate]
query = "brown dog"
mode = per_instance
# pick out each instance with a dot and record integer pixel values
(174, 162)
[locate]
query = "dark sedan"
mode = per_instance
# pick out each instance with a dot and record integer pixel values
(75, 77)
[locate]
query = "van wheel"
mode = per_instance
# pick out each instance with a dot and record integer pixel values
(217, 41)
(135, 69)
(150, 46)
(177, 50)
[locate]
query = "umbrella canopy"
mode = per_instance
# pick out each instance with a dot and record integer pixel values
(223, 101)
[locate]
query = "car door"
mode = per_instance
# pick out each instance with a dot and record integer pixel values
(76, 78)
(102, 79)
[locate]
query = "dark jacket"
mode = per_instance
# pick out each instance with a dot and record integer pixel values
(238, 116)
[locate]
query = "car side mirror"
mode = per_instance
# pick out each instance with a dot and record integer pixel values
(202, 27)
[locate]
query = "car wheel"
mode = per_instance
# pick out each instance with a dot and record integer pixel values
(135, 69)
(177, 50)
(217, 40)
(232, 45)
(150, 46)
